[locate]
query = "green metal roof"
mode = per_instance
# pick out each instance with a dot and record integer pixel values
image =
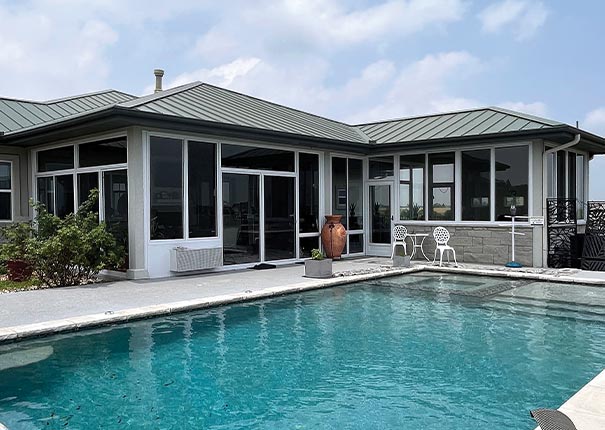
(17, 115)
(209, 103)
(469, 123)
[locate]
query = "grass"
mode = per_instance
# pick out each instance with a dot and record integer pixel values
(7, 286)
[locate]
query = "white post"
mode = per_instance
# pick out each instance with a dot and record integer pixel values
(513, 238)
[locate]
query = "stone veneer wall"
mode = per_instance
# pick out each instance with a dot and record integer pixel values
(489, 245)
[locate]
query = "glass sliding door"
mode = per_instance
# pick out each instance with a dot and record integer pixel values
(241, 218)
(279, 218)
(380, 214)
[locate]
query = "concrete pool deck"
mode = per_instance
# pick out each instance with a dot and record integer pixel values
(40, 312)
(46, 311)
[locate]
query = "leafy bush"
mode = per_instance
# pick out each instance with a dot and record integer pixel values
(16, 238)
(67, 251)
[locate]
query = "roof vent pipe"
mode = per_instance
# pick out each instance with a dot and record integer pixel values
(159, 73)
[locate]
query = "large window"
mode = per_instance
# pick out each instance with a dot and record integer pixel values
(381, 167)
(308, 183)
(64, 195)
(565, 178)
(66, 177)
(441, 186)
(476, 189)
(202, 189)
(102, 153)
(51, 160)
(411, 187)
(512, 178)
(339, 188)
(166, 175)
(6, 211)
(251, 157)
(347, 198)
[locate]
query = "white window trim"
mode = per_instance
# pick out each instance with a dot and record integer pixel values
(11, 191)
(458, 184)
(186, 137)
(76, 169)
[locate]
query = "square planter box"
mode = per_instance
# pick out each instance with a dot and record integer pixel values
(318, 268)
(401, 261)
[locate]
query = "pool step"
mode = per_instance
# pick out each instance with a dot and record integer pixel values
(547, 307)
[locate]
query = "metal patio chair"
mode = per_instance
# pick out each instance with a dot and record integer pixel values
(399, 235)
(442, 237)
(551, 419)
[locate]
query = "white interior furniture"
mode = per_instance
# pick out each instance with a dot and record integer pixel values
(417, 242)
(399, 235)
(442, 237)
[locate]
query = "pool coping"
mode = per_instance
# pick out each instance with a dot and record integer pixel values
(16, 333)
(586, 408)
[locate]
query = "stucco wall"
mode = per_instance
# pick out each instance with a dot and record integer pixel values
(489, 245)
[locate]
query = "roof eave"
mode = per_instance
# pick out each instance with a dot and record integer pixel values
(559, 134)
(127, 117)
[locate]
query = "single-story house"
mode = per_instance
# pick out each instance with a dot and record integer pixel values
(201, 177)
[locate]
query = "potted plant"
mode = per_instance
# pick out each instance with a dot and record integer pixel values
(400, 259)
(14, 251)
(318, 266)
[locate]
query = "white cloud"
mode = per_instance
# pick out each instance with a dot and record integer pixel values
(422, 88)
(522, 16)
(595, 121)
(223, 75)
(534, 108)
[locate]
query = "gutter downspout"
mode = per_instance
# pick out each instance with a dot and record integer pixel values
(545, 178)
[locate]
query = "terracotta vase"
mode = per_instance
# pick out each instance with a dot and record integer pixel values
(333, 236)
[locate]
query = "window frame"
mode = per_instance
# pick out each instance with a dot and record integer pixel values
(76, 170)
(200, 137)
(458, 182)
(10, 191)
(364, 180)
(553, 181)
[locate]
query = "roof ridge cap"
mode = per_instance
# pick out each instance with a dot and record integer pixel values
(422, 116)
(277, 104)
(527, 116)
(13, 99)
(79, 96)
(139, 101)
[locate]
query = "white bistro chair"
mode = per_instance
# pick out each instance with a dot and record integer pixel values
(399, 235)
(442, 237)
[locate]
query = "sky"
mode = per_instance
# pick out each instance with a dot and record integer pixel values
(354, 61)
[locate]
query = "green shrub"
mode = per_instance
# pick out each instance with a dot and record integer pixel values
(15, 238)
(316, 254)
(66, 251)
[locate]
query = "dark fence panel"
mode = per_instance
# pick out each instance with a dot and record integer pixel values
(593, 252)
(562, 230)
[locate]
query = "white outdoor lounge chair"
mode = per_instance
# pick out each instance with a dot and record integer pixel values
(399, 235)
(442, 237)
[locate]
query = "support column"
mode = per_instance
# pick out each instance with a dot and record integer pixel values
(137, 219)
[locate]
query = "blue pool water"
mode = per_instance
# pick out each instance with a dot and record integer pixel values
(366, 356)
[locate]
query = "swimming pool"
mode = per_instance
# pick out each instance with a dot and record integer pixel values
(407, 352)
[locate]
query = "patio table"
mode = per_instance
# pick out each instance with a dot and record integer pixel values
(417, 242)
